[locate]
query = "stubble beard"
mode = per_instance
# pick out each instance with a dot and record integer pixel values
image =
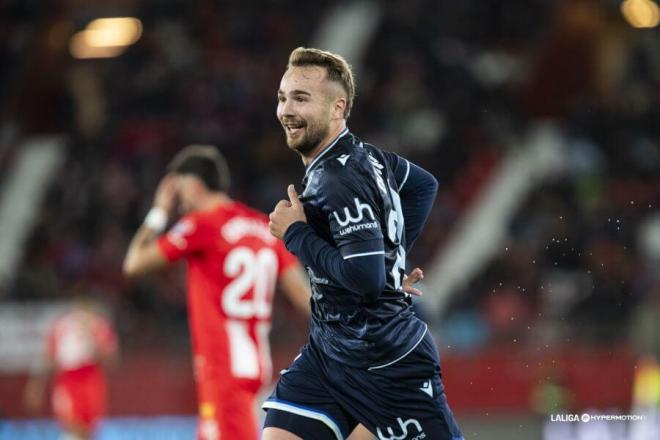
(313, 135)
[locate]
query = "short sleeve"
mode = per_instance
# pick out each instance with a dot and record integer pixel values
(285, 259)
(353, 214)
(186, 237)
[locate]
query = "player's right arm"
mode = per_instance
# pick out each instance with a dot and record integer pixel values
(294, 283)
(144, 254)
(357, 264)
(363, 275)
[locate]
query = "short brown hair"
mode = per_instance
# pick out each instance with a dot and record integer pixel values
(204, 162)
(338, 69)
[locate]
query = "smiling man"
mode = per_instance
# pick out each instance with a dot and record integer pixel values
(369, 359)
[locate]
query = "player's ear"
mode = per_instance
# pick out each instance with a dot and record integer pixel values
(339, 107)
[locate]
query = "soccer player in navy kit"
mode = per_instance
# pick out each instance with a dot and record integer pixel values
(369, 359)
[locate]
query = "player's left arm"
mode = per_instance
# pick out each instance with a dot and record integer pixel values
(417, 196)
(144, 254)
(417, 189)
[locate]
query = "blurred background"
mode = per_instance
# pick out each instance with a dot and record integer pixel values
(539, 118)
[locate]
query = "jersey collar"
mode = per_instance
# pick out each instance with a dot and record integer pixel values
(325, 150)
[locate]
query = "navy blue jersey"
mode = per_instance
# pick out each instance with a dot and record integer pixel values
(351, 200)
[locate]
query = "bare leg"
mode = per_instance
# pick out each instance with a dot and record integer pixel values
(361, 433)
(271, 433)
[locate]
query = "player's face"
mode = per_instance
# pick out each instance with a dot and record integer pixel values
(304, 107)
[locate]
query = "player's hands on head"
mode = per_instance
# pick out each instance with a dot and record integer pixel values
(409, 280)
(166, 193)
(286, 213)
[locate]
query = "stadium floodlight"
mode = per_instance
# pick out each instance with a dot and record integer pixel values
(105, 37)
(641, 13)
(116, 31)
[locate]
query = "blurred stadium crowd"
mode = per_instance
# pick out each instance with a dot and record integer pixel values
(453, 86)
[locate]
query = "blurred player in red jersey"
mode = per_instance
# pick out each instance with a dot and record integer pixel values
(79, 344)
(234, 264)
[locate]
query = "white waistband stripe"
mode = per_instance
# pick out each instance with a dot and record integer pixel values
(282, 406)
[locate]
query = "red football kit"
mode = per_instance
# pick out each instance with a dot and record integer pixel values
(73, 344)
(233, 266)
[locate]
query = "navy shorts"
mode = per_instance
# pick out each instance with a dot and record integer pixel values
(318, 398)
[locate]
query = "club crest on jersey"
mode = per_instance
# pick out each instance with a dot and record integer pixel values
(360, 209)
